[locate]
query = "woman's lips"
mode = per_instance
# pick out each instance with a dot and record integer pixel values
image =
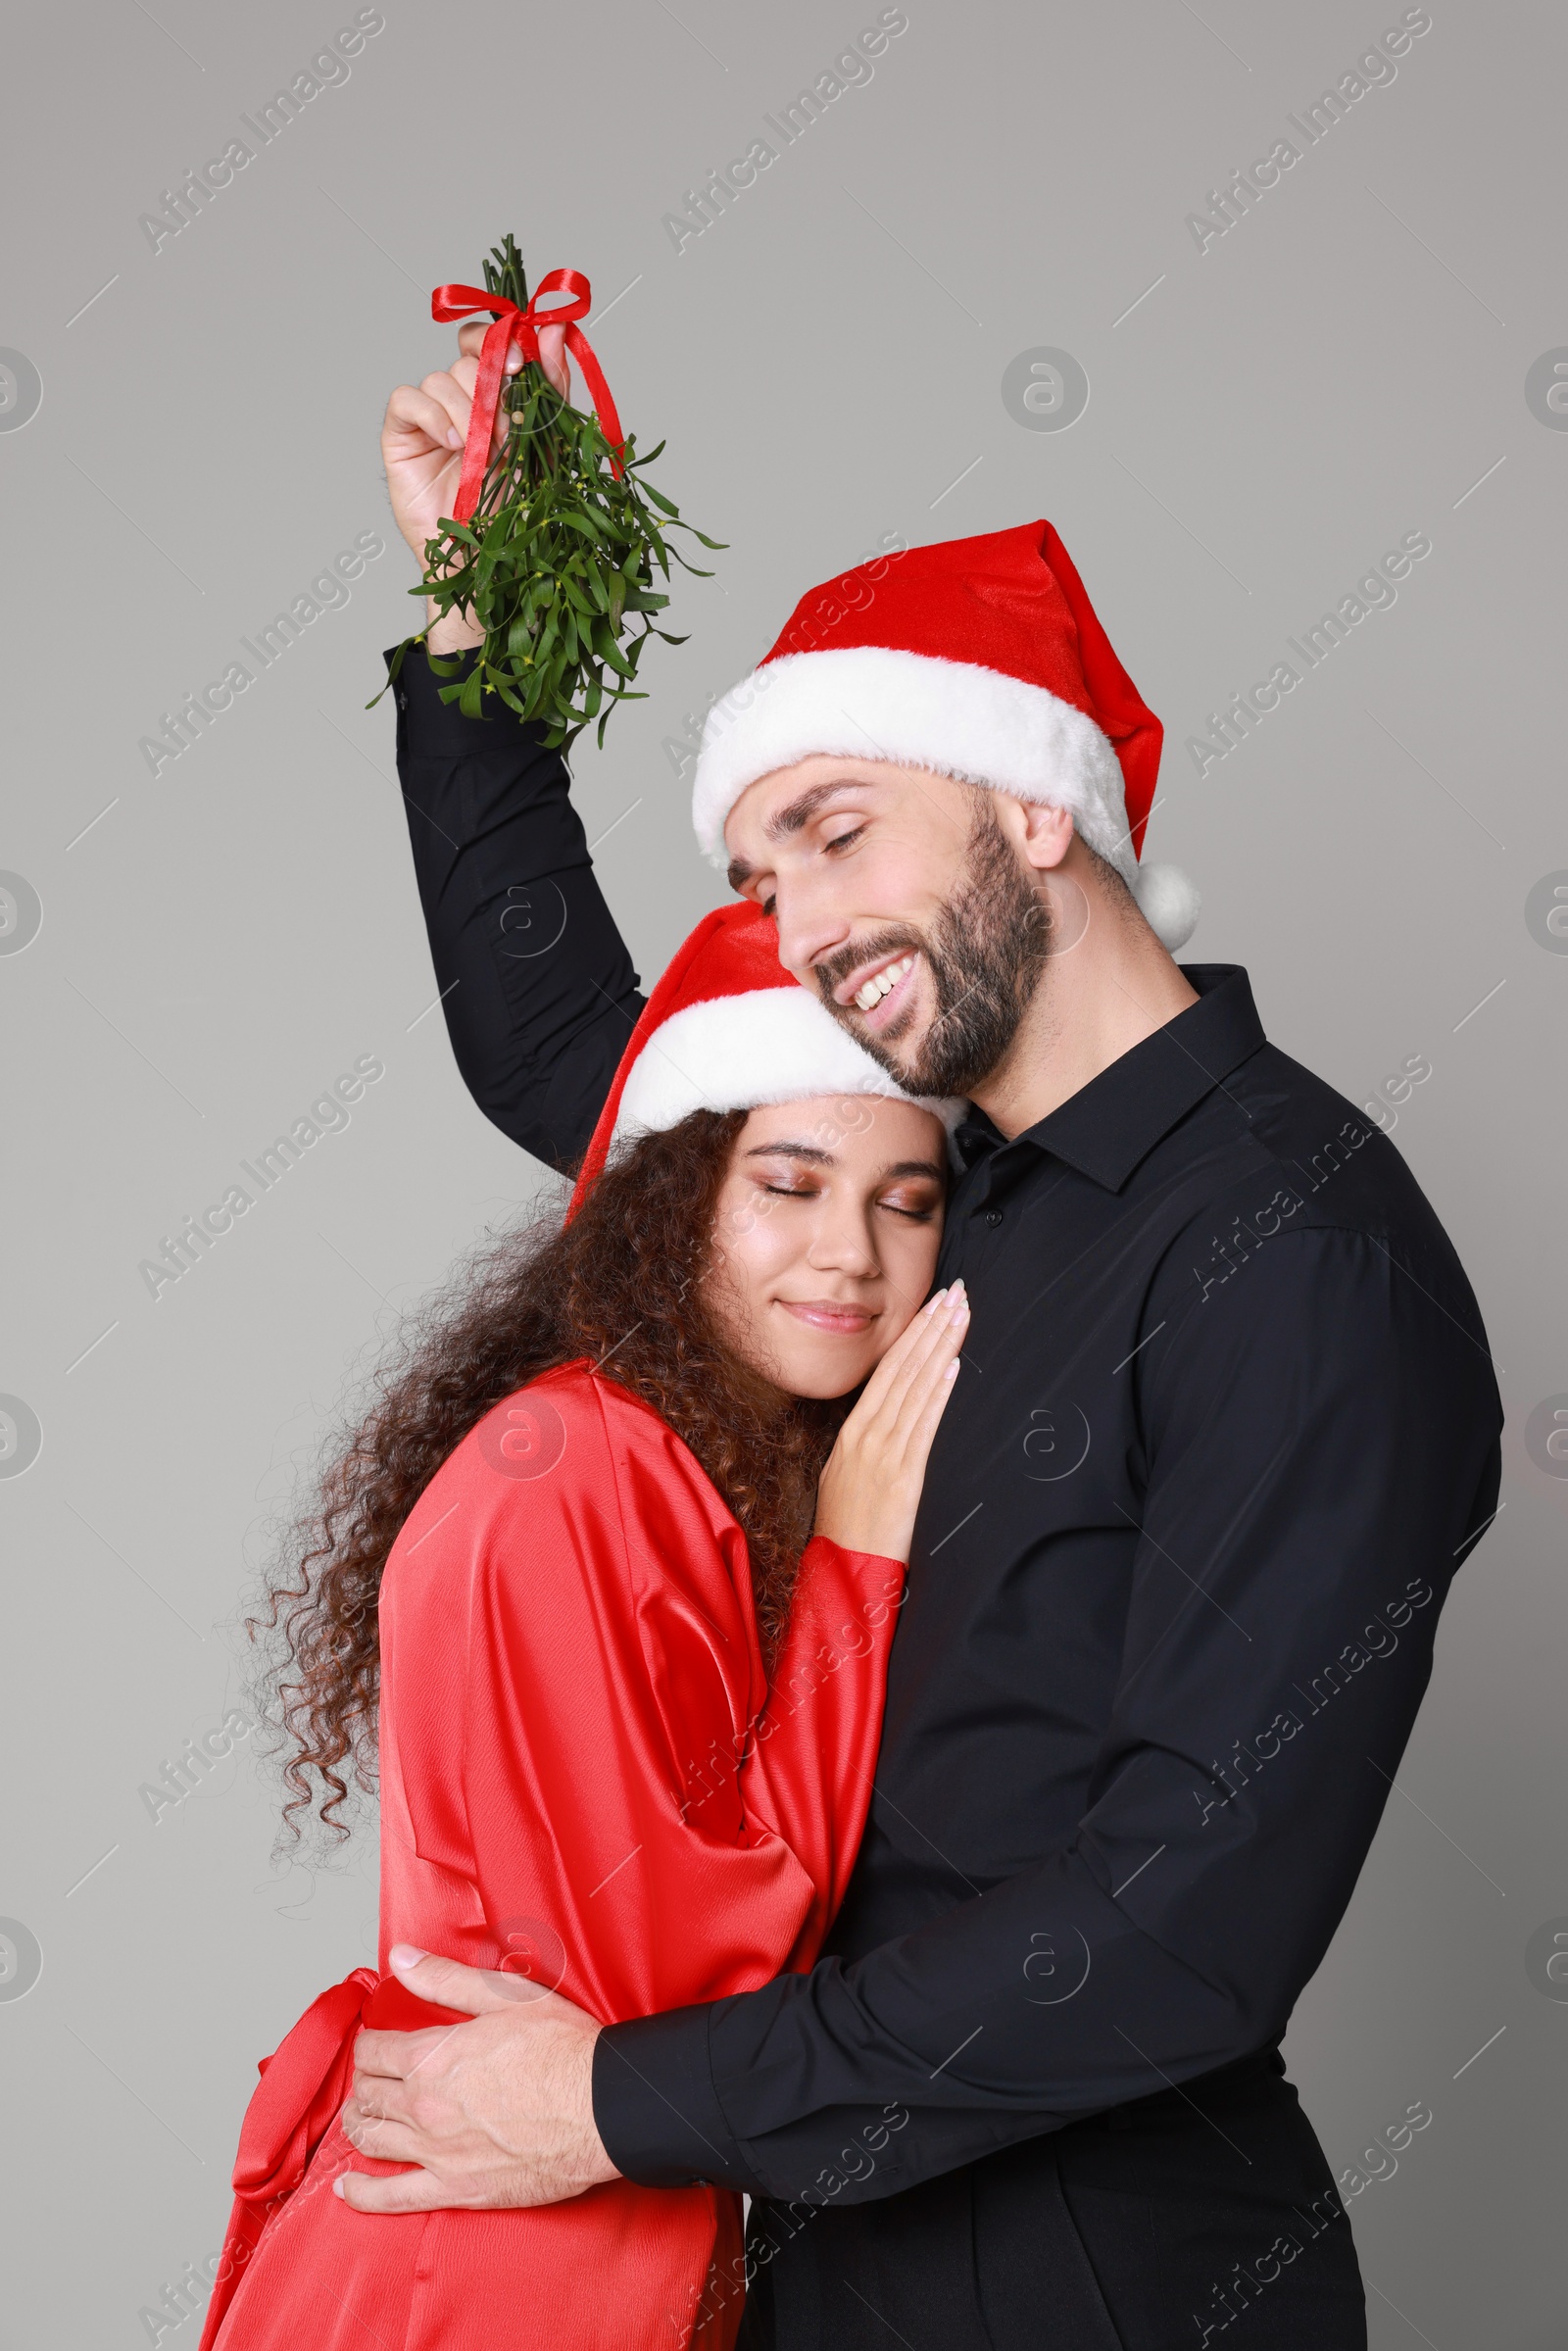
(823, 1315)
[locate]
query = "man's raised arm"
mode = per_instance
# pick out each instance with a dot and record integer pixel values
(535, 980)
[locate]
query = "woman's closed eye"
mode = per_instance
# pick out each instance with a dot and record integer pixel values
(918, 1203)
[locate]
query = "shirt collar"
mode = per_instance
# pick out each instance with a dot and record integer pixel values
(1110, 1125)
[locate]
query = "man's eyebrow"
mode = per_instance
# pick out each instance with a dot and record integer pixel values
(792, 820)
(799, 811)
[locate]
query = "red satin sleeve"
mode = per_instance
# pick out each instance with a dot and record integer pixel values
(809, 1771)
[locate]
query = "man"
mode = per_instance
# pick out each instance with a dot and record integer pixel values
(1229, 1425)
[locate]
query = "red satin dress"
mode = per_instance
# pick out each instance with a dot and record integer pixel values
(584, 1779)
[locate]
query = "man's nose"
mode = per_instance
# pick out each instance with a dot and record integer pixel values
(809, 925)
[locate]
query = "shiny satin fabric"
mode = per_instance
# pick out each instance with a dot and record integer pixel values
(585, 1781)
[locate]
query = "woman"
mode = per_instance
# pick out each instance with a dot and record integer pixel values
(624, 1705)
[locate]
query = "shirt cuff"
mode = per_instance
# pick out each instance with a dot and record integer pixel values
(655, 2108)
(430, 728)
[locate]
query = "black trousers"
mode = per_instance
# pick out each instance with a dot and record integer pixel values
(1202, 2216)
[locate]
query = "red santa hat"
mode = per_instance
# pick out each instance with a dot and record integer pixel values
(728, 1028)
(980, 658)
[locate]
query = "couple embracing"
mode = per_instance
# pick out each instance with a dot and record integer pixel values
(857, 1631)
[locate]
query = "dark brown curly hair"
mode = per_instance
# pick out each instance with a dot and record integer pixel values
(621, 1283)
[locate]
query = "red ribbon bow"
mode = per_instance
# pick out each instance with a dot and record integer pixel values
(512, 326)
(301, 2093)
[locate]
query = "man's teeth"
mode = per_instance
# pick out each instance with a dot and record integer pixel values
(875, 989)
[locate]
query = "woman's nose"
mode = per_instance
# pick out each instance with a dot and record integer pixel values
(842, 1245)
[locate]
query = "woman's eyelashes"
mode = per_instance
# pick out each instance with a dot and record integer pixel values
(917, 1211)
(786, 1178)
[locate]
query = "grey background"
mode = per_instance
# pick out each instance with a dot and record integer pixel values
(1345, 366)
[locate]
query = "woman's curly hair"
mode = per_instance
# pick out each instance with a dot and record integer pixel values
(620, 1283)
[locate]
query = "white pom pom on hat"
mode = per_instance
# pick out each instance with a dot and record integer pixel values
(1170, 903)
(981, 658)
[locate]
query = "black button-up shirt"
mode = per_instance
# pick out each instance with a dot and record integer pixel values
(1226, 1427)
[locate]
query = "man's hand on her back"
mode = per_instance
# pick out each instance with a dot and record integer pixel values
(422, 438)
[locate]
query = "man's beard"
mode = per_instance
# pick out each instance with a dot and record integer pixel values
(985, 953)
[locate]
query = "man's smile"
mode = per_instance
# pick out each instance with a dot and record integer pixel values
(879, 990)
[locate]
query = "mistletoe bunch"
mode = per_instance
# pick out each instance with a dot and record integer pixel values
(557, 562)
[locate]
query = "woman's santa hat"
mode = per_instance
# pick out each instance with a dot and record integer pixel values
(728, 1028)
(980, 658)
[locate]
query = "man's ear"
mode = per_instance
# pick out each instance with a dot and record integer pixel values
(1041, 833)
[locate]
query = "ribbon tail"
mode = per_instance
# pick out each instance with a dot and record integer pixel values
(302, 2087)
(482, 415)
(582, 351)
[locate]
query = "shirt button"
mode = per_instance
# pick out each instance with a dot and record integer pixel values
(993, 1216)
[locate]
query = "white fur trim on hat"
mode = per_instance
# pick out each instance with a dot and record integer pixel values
(958, 718)
(737, 1053)
(917, 711)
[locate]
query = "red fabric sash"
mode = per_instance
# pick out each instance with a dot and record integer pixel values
(512, 326)
(304, 2085)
